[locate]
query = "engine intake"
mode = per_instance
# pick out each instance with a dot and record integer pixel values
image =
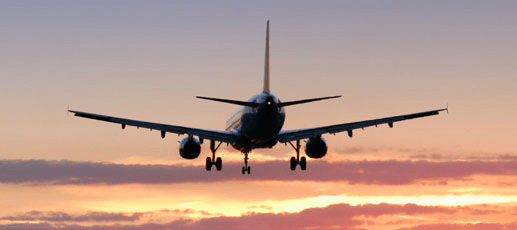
(316, 147)
(190, 148)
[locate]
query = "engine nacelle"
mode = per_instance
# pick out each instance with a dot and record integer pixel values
(316, 147)
(190, 148)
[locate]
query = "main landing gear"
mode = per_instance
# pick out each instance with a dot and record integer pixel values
(218, 162)
(246, 168)
(213, 161)
(296, 160)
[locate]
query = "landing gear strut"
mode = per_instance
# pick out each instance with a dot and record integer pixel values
(213, 161)
(296, 160)
(246, 168)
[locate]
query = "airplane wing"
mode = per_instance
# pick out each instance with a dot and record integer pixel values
(298, 134)
(222, 136)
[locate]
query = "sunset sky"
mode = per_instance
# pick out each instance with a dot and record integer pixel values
(148, 60)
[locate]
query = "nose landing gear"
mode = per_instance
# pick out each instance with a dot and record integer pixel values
(246, 168)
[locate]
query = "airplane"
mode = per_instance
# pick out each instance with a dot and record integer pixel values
(257, 124)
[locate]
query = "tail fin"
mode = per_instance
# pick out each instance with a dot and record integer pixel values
(266, 64)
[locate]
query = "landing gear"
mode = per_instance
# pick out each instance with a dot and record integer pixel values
(208, 164)
(212, 160)
(293, 163)
(246, 168)
(303, 163)
(218, 164)
(297, 160)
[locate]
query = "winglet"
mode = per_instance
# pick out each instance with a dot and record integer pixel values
(447, 108)
(266, 62)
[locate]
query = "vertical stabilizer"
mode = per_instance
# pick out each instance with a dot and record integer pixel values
(266, 64)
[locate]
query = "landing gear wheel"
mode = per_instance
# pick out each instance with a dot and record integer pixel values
(297, 160)
(211, 161)
(246, 168)
(208, 164)
(219, 164)
(293, 163)
(303, 163)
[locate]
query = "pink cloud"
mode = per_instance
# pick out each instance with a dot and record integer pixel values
(62, 217)
(364, 172)
(481, 226)
(342, 215)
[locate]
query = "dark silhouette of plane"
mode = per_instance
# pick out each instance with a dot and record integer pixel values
(258, 124)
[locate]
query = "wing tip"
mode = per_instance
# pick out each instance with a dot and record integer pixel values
(68, 110)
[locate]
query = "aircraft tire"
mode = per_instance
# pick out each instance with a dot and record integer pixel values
(219, 164)
(293, 163)
(208, 164)
(303, 163)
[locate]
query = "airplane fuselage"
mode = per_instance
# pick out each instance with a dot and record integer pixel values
(257, 127)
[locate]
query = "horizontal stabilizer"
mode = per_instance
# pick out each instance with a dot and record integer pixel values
(243, 103)
(283, 104)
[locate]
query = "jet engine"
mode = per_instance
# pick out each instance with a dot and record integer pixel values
(316, 147)
(190, 148)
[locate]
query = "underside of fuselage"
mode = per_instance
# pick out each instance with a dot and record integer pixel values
(258, 127)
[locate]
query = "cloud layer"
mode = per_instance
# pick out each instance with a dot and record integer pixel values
(65, 217)
(364, 172)
(343, 215)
